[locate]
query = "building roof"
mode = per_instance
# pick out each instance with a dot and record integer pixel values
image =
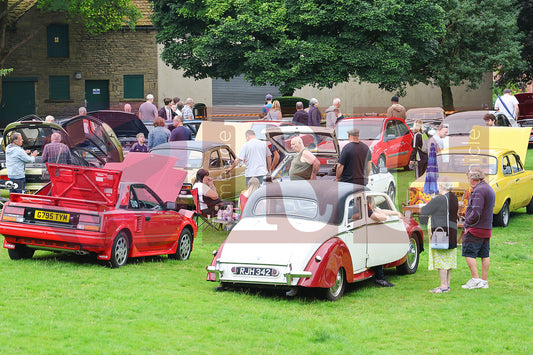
(146, 11)
(19, 10)
(143, 6)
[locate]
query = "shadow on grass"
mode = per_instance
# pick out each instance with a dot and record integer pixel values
(304, 294)
(91, 260)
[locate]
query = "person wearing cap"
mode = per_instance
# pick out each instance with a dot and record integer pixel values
(315, 117)
(478, 228)
(355, 162)
(148, 111)
(268, 105)
(301, 117)
(396, 110)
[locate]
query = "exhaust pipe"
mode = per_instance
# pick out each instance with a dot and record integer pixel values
(81, 252)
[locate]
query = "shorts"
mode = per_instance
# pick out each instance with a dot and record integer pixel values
(474, 247)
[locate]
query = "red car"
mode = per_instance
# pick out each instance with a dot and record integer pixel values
(115, 213)
(389, 139)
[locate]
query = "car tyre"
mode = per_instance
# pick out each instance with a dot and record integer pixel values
(21, 251)
(391, 192)
(502, 218)
(335, 292)
(413, 257)
(120, 250)
(529, 207)
(382, 161)
(183, 251)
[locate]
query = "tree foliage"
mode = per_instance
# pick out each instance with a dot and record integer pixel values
(519, 76)
(292, 43)
(481, 36)
(96, 16)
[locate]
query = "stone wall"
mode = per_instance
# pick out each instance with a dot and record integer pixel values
(108, 56)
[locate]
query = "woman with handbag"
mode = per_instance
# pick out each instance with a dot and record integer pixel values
(443, 233)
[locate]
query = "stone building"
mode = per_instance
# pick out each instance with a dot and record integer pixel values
(62, 67)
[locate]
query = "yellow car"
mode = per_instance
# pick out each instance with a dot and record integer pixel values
(512, 184)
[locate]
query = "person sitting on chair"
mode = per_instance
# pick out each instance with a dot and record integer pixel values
(253, 185)
(207, 192)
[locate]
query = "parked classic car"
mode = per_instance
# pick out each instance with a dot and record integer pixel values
(212, 156)
(389, 139)
(126, 126)
(525, 111)
(112, 213)
(323, 143)
(91, 143)
(431, 118)
(501, 162)
(314, 234)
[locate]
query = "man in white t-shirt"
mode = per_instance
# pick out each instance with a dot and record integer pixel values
(507, 104)
(256, 156)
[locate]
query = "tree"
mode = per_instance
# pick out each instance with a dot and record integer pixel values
(519, 76)
(96, 16)
(481, 36)
(292, 43)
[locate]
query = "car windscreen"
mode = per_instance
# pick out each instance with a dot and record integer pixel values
(187, 158)
(461, 163)
(367, 130)
(318, 144)
(288, 207)
(34, 138)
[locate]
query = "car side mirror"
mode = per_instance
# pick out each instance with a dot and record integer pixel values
(169, 205)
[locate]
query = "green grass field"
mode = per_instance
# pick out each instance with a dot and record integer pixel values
(61, 303)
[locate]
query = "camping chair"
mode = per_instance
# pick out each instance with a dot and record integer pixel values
(201, 219)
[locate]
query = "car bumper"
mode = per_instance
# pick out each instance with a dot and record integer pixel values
(285, 276)
(53, 238)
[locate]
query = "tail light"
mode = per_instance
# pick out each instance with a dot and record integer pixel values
(89, 222)
(4, 177)
(13, 214)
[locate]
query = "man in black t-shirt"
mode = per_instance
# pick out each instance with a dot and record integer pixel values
(355, 161)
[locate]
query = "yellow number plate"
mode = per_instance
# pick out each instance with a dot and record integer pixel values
(52, 216)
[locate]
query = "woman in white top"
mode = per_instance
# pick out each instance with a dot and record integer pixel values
(207, 192)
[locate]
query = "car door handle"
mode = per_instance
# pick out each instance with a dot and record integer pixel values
(147, 218)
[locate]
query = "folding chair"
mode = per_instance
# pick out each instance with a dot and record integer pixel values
(201, 219)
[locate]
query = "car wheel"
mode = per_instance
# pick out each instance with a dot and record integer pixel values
(529, 207)
(502, 218)
(335, 292)
(413, 257)
(21, 251)
(120, 250)
(382, 162)
(391, 191)
(183, 251)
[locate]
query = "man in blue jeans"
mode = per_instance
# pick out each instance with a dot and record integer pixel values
(478, 228)
(16, 159)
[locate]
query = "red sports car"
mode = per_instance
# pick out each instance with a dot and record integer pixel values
(115, 213)
(389, 139)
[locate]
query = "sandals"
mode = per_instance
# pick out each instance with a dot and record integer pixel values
(440, 290)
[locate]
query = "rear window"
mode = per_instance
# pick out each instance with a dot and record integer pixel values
(367, 130)
(292, 207)
(187, 159)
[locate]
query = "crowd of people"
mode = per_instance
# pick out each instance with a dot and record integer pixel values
(354, 166)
